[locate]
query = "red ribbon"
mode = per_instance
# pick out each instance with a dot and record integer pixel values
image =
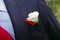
(30, 22)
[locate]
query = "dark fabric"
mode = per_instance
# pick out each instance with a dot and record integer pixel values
(48, 28)
(51, 24)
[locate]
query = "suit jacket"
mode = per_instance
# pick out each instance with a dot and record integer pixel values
(48, 28)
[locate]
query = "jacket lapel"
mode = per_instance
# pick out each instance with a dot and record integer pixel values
(17, 19)
(10, 5)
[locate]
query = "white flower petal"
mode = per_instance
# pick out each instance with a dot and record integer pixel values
(33, 16)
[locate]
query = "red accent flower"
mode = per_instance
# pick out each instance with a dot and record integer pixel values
(30, 22)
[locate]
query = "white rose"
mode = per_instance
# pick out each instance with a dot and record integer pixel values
(33, 16)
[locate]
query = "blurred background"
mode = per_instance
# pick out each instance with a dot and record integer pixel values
(55, 6)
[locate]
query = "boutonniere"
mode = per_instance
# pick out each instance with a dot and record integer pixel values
(32, 18)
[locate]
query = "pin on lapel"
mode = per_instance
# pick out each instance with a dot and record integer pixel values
(32, 18)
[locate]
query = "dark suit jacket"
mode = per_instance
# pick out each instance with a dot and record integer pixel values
(48, 28)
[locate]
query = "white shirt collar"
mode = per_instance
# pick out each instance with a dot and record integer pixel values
(2, 6)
